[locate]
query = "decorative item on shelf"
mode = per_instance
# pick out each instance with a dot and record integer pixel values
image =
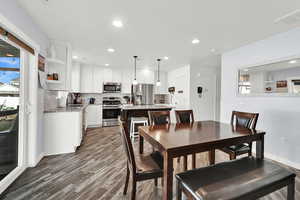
(55, 76)
(134, 82)
(52, 77)
(268, 89)
(49, 76)
(158, 68)
(171, 90)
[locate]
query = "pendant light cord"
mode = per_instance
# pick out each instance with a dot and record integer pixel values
(135, 57)
(158, 69)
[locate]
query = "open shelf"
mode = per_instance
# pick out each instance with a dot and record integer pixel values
(53, 81)
(54, 60)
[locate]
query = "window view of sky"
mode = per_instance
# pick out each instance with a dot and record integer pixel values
(9, 62)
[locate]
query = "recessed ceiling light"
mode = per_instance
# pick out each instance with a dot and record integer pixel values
(9, 55)
(75, 57)
(111, 50)
(117, 23)
(166, 58)
(293, 61)
(106, 64)
(213, 50)
(195, 41)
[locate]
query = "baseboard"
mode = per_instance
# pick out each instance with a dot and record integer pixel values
(282, 160)
(37, 160)
(10, 178)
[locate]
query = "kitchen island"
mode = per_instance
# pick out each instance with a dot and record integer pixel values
(128, 111)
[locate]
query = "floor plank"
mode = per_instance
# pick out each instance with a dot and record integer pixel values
(96, 171)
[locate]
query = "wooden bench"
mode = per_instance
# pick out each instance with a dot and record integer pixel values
(243, 179)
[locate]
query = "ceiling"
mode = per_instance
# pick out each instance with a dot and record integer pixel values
(158, 28)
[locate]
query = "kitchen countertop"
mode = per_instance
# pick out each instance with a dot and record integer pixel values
(146, 107)
(74, 108)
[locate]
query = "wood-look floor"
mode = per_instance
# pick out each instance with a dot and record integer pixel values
(95, 171)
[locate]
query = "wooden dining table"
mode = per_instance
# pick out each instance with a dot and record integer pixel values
(175, 140)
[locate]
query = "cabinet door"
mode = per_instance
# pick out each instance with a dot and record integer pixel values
(116, 76)
(145, 76)
(94, 115)
(127, 78)
(87, 79)
(98, 79)
(75, 77)
(107, 75)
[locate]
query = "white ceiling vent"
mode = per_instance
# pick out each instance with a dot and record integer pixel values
(290, 18)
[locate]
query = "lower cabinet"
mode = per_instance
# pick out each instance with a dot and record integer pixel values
(94, 115)
(63, 132)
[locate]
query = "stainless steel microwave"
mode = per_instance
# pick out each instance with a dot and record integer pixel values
(112, 87)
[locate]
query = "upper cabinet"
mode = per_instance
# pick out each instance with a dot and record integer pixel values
(58, 66)
(88, 78)
(75, 77)
(99, 78)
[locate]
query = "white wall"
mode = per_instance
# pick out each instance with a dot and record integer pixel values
(16, 15)
(180, 79)
(279, 116)
(208, 106)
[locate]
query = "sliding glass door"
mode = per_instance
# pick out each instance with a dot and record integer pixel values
(12, 106)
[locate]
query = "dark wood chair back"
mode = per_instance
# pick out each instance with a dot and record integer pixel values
(159, 117)
(244, 119)
(184, 116)
(128, 147)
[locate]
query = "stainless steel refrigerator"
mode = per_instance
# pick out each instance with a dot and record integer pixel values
(143, 94)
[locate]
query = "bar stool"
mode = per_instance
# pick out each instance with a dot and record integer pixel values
(134, 121)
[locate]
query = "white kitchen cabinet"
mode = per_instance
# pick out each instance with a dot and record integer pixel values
(116, 76)
(87, 79)
(107, 75)
(127, 78)
(62, 132)
(75, 77)
(145, 76)
(99, 75)
(94, 115)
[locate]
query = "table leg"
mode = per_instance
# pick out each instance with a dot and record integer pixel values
(141, 144)
(260, 146)
(212, 156)
(168, 177)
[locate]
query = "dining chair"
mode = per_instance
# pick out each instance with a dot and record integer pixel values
(241, 120)
(141, 166)
(186, 117)
(159, 117)
(163, 118)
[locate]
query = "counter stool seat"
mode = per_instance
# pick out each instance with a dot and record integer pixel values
(134, 122)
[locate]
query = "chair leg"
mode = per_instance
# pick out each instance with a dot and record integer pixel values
(126, 181)
(179, 191)
(185, 160)
(155, 182)
(133, 191)
(291, 190)
(212, 157)
(194, 160)
(232, 156)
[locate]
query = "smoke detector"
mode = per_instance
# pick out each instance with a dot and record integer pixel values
(290, 18)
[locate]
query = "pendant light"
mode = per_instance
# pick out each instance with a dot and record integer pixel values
(158, 73)
(134, 82)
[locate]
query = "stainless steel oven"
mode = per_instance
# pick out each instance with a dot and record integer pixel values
(111, 87)
(111, 111)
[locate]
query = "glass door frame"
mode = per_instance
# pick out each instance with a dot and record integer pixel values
(23, 118)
